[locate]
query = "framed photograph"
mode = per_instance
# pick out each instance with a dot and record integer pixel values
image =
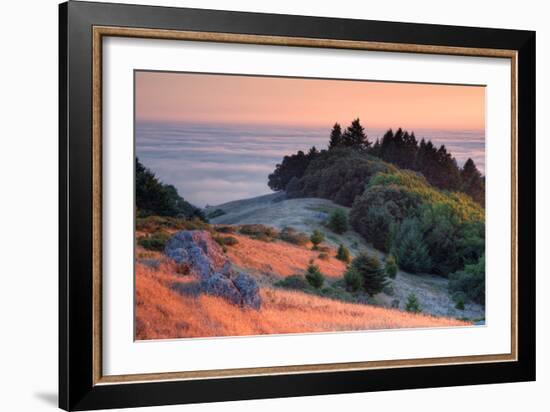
(256, 205)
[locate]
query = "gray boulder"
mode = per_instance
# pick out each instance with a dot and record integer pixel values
(207, 261)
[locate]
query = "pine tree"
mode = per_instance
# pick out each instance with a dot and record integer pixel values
(343, 254)
(391, 266)
(338, 221)
(412, 304)
(314, 276)
(355, 136)
(335, 136)
(472, 182)
(409, 247)
(371, 271)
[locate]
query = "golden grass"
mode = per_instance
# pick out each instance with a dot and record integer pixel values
(281, 258)
(163, 313)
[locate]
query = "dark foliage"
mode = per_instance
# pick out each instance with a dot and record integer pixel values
(343, 254)
(314, 276)
(156, 241)
(316, 238)
(335, 136)
(339, 174)
(372, 274)
(338, 221)
(472, 182)
(412, 304)
(391, 266)
(470, 281)
(156, 198)
(292, 166)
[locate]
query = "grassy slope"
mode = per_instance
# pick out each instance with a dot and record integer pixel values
(163, 313)
(307, 214)
(167, 305)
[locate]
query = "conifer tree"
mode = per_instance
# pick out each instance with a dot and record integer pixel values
(335, 136)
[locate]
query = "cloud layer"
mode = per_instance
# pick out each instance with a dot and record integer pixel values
(213, 164)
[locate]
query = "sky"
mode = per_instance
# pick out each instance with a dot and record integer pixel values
(217, 138)
(229, 99)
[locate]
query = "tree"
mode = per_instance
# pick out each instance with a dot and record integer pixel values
(155, 198)
(338, 221)
(353, 279)
(316, 238)
(335, 136)
(472, 182)
(409, 247)
(470, 281)
(343, 254)
(292, 166)
(391, 266)
(314, 276)
(370, 269)
(355, 136)
(412, 304)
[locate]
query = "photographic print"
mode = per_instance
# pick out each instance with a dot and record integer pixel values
(277, 205)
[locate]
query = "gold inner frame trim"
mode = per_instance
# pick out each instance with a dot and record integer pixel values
(101, 31)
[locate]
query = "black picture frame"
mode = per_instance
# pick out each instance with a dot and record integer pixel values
(77, 390)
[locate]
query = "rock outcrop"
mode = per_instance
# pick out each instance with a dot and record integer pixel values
(207, 261)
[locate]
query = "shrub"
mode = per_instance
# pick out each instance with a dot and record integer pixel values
(343, 254)
(412, 304)
(259, 232)
(391, 266)
(409, 248)
(316, 238)
(156, 241)
(338, 221)
(353, 279)
(291, 235)
(151, 224)
(459, 303)
(226, 240)
(470, 281)
(314, 277)
(225, 229)
(323, 256)
(297, 282)
(370, 269)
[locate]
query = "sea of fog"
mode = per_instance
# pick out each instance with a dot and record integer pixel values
(214, 164)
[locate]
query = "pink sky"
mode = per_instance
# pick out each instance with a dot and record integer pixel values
(204, 98)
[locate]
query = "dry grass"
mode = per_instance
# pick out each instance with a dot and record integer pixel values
(163, 313)
(281, 258)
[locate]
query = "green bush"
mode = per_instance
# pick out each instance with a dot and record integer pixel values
(314, 277)
(291, 235)
(391, 267)
(412, 304)
(459, 303)
(323, 256)
(410, 249)
(156, 241)
(338, 221)
(316, 238)
(353, 279)
(343, 254)
(297, 282)
(470, 281)
(370, 269)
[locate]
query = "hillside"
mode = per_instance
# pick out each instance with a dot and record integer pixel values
(170, 305)
(308, 214)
